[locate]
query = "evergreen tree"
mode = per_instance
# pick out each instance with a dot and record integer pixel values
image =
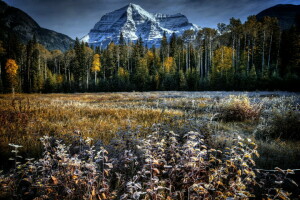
(164, 48)
(173, 45)
(122, 41)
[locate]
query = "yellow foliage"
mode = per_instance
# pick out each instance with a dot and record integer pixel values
(143, 63)
(169, 65)
(96, 63)
(11, 68)
(150, 55)
(56, 53)
(123, 73)
(222, 59)
(111, 47)
(59, 79)
(45, 54)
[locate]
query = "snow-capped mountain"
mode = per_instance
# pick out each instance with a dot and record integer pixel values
(133, 21)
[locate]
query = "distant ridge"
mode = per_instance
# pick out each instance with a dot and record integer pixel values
(15, 20)
(288, 15)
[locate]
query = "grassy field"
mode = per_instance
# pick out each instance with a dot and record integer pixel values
(269, 119)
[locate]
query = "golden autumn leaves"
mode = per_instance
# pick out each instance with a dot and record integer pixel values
(96, 63)
(11, 69)
(96, 66)
(223, 59)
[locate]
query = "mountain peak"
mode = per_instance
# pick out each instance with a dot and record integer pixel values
(130, 6)
(133, 5)
(134, 21)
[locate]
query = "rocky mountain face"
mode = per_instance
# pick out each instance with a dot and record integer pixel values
(14, 20)
(134, 22)
(287, 15)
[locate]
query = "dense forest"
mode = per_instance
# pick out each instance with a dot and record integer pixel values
(255, 55)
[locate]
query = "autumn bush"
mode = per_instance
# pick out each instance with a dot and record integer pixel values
(239, 108)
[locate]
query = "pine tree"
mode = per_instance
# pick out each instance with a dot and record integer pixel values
(173, 45)
(78, 66)
(122, 41)
(164, 48)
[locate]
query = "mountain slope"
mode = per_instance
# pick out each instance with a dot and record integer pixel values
(16, 21)
(286, 14)
(133, 21)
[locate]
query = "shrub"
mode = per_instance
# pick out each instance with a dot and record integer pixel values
(239, 109)
(170, 166)
(282, 124)
(59, 175)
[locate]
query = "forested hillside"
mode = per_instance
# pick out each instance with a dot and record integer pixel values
(238, 56)
(17, 22)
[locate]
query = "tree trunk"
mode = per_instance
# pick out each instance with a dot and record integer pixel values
(252, 59)
(270, 48)
(199, 64)
(239, 51)
(186, 60)
(118, 61)
(179, 61)
(210, 53)
(66, 72)
(95, 78)
(69, 78)
(87, 79)
(206, 55)
(263, 53)
(233, 53)
(45, 70)
(277, 59)
(189, 53)
(248, 57)
(39, 63)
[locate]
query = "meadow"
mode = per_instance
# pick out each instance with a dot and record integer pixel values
(141, 145)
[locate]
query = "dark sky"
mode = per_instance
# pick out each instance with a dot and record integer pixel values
(76, 17)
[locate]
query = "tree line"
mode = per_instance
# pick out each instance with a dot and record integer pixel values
(254, 55)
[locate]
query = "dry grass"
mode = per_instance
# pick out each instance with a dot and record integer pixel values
(100, 116)
(25, 118)
(120, 121)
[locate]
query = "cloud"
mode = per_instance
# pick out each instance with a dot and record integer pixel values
(76, 17)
